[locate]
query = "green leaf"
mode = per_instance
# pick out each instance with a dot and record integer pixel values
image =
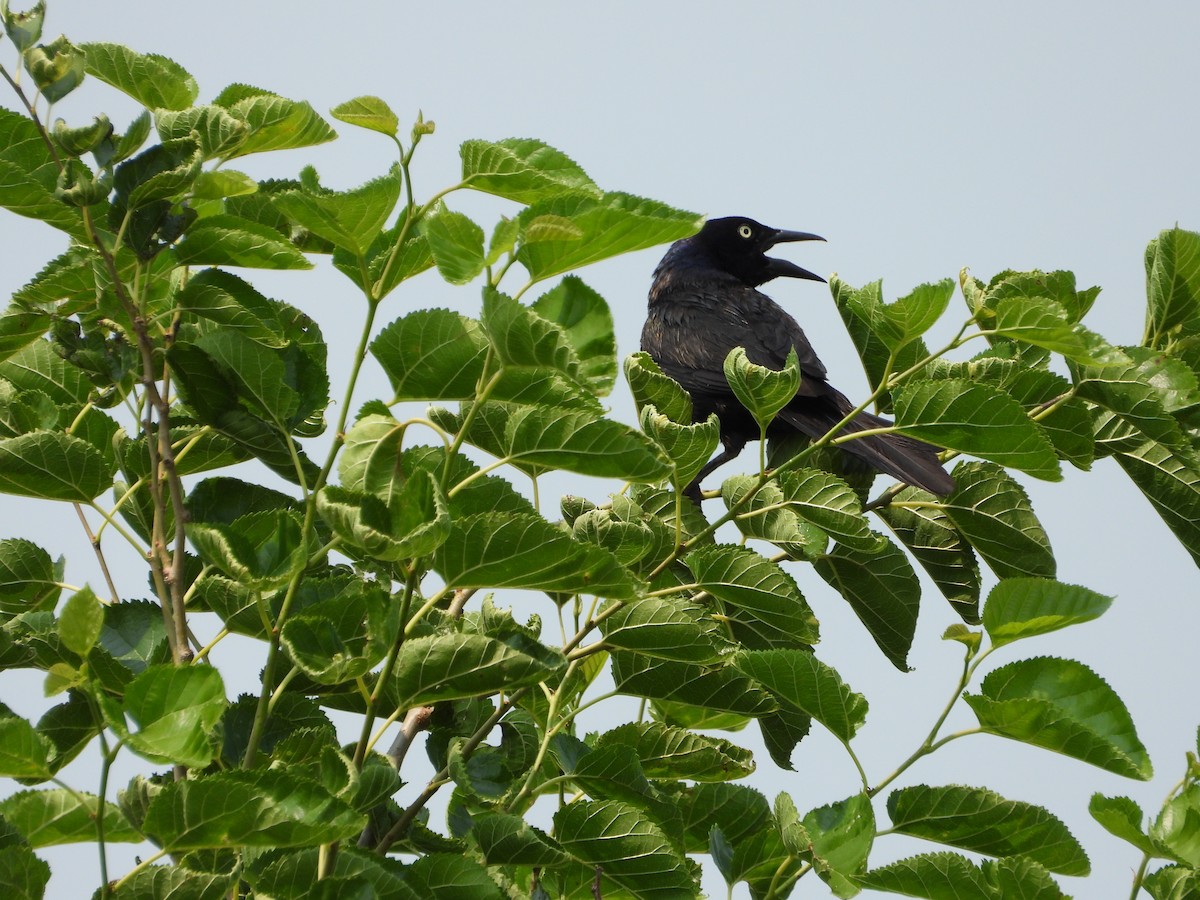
(572, 230)
(22, 874)
(20, 329)
(1173, 376)
(1122, 817)
(221, 184)
(1045, 323)
(505, 839)
(23, 752)
(328, 641)
(842, 834)
(1066, 423)
(28, 176)
(80, 621)
(767, 515)
(1057, 287)
(456, 243)
(666, 628)
(38, 368)
(230, 241)
(676, 753)
(178, 883)
(782, 731)
(808, 684)
(234, 304)
(613, 772)
(396, 255)
(174, 711)
(264, 379)
(651, 387)
(50, 465)
(627, 531)
(941, 549)
(260, 550)
(760, 858)
(28, 578)
(121, 147)
(67, 282)
(163, 172)
(795, 836)
(760, 596)
(762, 390)
(621, 842)
(367, 112)
(274, 122)
(262, 808)
(687, 446)
(523, 550)
(1177, 827)
(215, 131)
(351, 219)
(1063, 706)
(503, 240)
(993, 512)
(534, 438)
(152, 80)
(1172, 485)
(57, 67)
(1129, 391)
(134, 634)
(912, 315)
(432, 354)
(521, 337)
(982, 821)
(1023, 607)
(214, 399)
(24, 29)
(876, 332)
(256, 395)
(413, 523)
(938, 876)
(975, 418)
(715, 689)
(449, 876)
(361, 874)
(832, 505)
(1173, 883)
(522, 169)
(883, 591)
(739, 812)
(59, 816)
(457, 666)
(1172, 286)
(588, 324)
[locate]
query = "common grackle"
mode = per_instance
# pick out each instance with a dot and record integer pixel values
(704, 302)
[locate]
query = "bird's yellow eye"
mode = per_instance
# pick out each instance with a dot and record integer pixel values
(745, 231)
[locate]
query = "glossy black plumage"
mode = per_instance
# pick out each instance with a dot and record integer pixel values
(704, 302)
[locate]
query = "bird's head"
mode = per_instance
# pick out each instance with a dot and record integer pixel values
(739, 245)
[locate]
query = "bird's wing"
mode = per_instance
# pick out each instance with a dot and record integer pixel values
(693, 331)
(775, 334)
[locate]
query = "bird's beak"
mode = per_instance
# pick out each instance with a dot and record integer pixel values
(784, 268)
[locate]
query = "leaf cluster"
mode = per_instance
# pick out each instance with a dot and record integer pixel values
(142, 363)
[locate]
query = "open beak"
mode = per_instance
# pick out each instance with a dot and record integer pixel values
(784, 268)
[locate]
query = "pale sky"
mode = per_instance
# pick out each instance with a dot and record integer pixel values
(918, 138)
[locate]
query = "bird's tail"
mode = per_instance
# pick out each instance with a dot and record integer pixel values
(905, 459)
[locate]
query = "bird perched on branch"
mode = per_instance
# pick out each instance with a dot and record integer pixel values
(704, 302)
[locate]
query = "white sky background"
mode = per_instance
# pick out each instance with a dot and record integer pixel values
(917, 138)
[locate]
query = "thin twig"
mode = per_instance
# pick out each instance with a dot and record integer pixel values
(95, 542)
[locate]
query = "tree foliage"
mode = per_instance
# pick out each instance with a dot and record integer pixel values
(142, 364)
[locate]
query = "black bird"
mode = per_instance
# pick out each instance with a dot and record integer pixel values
(704, 302)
